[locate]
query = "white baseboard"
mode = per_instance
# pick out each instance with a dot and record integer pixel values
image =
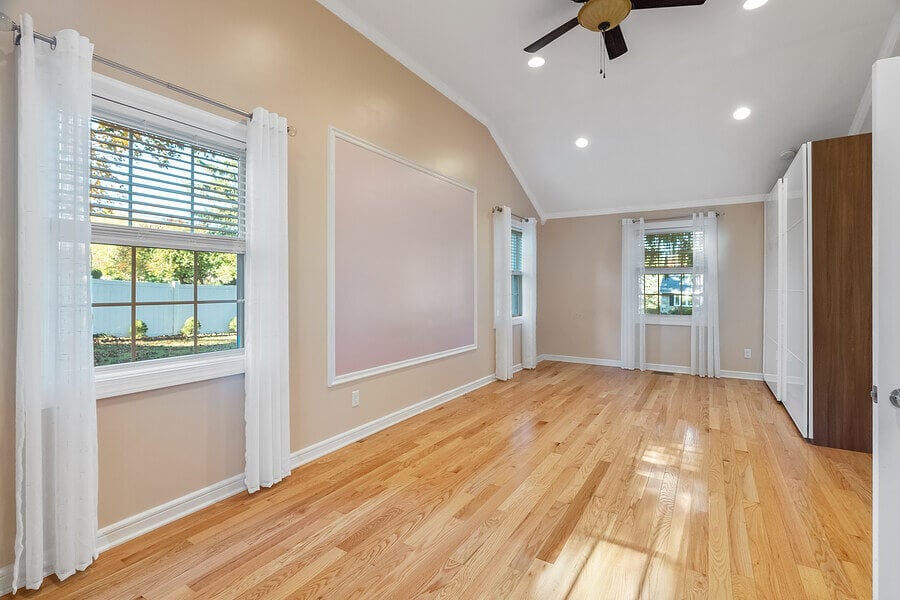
(605, 362)
(669, 369)
(320, 449)
(748, 375)
(600, 362)
(154, 518)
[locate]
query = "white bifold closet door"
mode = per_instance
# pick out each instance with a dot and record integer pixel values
(774, 321)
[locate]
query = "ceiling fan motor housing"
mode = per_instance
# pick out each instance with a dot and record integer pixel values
(603, 15)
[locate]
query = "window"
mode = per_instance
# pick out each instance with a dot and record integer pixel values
(668, 283)
(516, 267)
(168, 241)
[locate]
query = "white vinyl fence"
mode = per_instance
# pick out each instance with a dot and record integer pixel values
(161, 320)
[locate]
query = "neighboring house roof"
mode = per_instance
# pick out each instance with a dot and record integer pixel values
(671, 284)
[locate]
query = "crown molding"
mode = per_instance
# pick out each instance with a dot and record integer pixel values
(352, 19)
(748, 199)
(888, 49)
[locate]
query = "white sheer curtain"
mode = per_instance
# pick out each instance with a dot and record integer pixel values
(56, 416)
(529, 293)
(705, 317)
(266, 342)
(633, 349)
(503, 292)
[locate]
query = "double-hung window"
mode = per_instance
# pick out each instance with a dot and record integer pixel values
(516, 268)
(167, 220)
(668, 282)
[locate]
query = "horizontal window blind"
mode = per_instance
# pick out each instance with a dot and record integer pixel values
(670, 250)
(516, 259)
(144, 180)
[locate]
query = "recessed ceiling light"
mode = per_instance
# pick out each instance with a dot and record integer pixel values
(582, 142)
(753, 4)
(741, 113)
(536, 61)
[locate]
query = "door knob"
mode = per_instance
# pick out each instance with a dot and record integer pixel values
(895, 398)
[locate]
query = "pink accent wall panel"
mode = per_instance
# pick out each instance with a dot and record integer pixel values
(404, 263)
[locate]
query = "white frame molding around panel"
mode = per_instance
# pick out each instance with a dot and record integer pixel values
(333, 135)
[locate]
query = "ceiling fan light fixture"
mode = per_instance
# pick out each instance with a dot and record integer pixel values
(741, 113)
(753, 4)
(536, 62)
(582, 142)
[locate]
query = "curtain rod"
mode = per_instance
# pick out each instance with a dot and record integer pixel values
(139, 74)
(718, 214)
(514, 215)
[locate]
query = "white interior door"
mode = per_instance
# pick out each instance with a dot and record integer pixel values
(886, 324)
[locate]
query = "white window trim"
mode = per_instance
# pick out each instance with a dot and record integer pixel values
(672, 226)
(669, 226)
(679, 320)
(136, 107)
(519, 320)
(146, 375)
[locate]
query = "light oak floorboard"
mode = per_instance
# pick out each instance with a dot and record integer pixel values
(571, 481)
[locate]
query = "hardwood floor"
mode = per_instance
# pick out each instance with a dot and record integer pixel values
(571, 481)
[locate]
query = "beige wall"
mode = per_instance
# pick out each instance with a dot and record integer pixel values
(295, 58)
(579, 290)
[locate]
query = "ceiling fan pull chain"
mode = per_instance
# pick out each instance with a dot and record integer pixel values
(602, 54)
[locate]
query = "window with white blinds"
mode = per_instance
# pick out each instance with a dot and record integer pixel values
(674, 249)
(142, 179)
(168, 242)
(516, 268)
(667, 286)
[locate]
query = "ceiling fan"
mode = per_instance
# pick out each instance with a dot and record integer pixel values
(604, 16)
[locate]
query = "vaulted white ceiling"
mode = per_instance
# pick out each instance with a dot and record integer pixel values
(660, 124)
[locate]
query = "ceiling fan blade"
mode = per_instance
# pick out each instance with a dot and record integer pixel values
(615, 43)
(639, 4)
(553, 35)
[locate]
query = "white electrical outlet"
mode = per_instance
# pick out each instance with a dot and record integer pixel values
(748, 353)
(354, 398)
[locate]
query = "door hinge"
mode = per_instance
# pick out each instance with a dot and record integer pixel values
(874, 394)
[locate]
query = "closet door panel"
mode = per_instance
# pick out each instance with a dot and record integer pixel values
(795, 351)
(772, 306)
(841, 275)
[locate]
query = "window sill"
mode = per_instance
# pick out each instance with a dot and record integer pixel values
(680, 320)
(518, 320)
(119, 380)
